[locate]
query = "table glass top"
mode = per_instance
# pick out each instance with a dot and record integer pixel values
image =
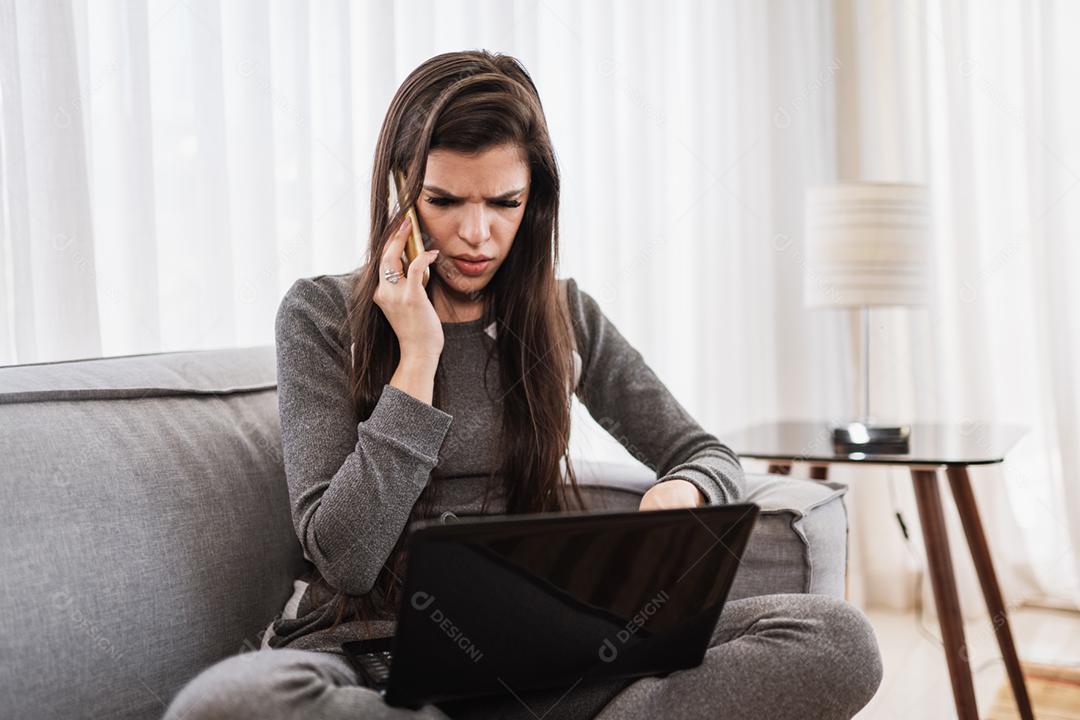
(935, 444)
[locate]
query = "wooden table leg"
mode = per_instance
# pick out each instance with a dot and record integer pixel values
(984, 566)
(943, 582)
(779, 469)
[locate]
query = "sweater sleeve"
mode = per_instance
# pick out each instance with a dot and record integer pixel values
(352, 483)
(628, 400)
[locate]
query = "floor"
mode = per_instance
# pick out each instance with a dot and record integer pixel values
(916, 682)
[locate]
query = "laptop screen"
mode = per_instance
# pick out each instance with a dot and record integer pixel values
(494, 606)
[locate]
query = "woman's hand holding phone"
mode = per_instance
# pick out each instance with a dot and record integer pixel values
(406, 304)
(412, 316)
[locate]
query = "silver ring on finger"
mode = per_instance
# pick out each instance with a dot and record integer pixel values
(392, 276)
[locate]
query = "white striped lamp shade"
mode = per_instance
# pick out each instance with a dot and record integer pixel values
(867, 244)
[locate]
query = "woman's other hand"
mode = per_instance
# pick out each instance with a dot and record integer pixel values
(675, 493)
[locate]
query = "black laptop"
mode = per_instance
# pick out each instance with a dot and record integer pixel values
(506, 605)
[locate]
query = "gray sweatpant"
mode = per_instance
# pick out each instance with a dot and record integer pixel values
(774, 657)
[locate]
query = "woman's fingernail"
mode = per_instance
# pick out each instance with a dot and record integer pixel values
(404, 223)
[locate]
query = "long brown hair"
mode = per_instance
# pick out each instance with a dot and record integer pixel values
(469, 102)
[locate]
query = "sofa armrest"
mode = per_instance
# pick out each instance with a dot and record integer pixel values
(799, 543)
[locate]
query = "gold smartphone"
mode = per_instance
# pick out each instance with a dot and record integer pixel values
(414, 244)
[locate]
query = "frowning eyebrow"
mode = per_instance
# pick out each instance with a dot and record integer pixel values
(449, 196)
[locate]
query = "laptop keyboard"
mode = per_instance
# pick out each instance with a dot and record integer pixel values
(375, 666)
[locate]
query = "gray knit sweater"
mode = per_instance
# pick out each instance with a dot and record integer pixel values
(353, 481)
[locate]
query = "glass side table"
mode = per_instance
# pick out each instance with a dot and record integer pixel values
(932, 446)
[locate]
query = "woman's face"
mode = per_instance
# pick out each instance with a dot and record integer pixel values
(470, 208)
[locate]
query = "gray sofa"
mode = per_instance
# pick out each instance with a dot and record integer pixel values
(145, 527)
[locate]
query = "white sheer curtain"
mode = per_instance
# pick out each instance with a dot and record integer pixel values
(170, 168)
(167, 169)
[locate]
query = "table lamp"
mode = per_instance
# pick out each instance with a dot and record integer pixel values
(867, 245)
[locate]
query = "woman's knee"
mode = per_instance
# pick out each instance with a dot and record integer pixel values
(262, 684)
(853, 659)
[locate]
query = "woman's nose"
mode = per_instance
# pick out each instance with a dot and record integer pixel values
(474, 227)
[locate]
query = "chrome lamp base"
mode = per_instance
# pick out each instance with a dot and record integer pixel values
(867, 438)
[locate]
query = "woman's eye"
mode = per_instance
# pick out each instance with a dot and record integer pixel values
(444, 202)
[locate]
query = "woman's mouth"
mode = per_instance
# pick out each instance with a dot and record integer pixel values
(471, 268)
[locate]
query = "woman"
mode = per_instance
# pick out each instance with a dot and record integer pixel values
(400, 401)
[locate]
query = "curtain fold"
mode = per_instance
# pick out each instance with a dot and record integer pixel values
(50, 269)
